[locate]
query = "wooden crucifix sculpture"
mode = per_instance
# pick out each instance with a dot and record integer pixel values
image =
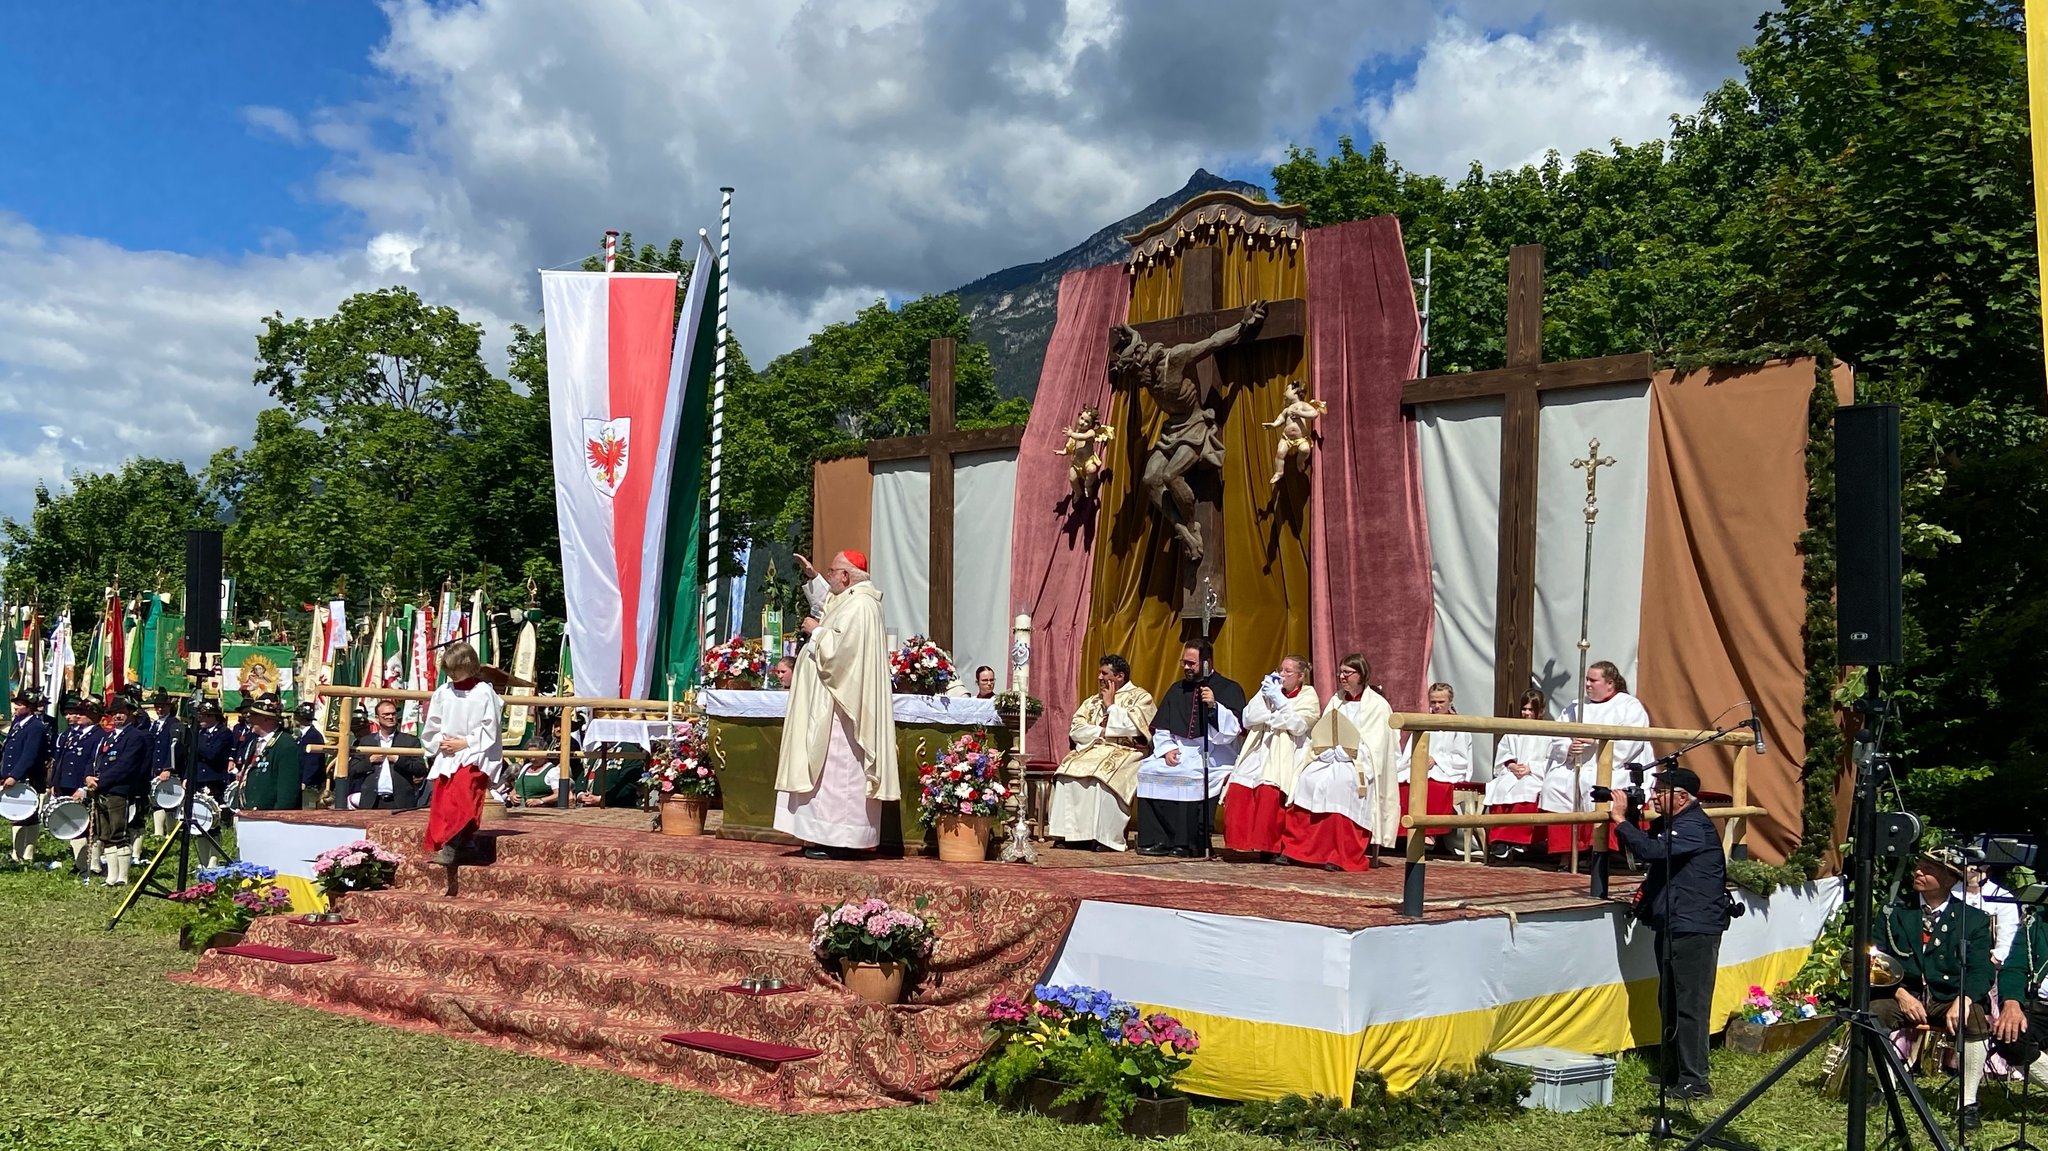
(1174, 360)
(1519, 385)
(940, 446)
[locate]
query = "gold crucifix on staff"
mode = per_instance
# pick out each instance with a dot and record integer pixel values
(1593, 461)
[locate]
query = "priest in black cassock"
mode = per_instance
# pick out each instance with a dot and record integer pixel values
(1170, 784)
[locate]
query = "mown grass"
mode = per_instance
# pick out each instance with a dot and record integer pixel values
(99, 1051)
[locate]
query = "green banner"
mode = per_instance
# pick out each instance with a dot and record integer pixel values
(250, 667)
(167, 670)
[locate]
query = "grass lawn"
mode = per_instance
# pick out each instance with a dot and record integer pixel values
(99, 1051)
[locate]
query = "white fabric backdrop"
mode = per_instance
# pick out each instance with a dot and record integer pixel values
(899, 544)
(1619, 415)
(1460, 445)
(984, 499)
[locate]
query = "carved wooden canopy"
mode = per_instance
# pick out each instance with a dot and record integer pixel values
(1218, 213)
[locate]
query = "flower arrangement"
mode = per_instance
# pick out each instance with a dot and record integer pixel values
(226, 899)
(964, 779)
(1006, 706)
(358, 866)
(1087, 1039)
(1784, 1005)
(681, 766)
(739, 659)
(921, 667)
(872, 931)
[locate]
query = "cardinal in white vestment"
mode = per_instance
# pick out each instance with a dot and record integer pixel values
(1570, 787)
(1096, 782)
(1450, 762)
(1520, 765)
(838, 762)
(1276, 726)
(1194, 741)
(1344, 799)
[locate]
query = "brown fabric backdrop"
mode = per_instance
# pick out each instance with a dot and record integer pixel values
(841, 491)
(1371, 539)
(1723, 601)
(1052, 543)
(1136, 595)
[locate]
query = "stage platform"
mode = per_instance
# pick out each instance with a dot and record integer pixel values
(1294, 978)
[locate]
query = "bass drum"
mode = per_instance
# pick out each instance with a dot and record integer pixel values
(67, 818)
(18, 804)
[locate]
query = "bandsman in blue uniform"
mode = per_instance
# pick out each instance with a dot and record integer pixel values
(25, 761)
(312, 745)
(166, 750)
(78, 749)
(1944, 947)
(119, 781)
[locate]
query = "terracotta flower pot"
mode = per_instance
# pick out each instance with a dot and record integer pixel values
(962, 838)
(875, 982)
(683, 815)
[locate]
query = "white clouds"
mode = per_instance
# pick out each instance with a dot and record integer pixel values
(272, 121)
(1505, 100)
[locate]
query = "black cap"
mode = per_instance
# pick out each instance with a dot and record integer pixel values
(30, 697)
(1682, 778)
(162, 698)
(125, 702)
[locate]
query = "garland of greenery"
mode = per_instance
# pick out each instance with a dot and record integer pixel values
(1817, 549)
(1441, 1101)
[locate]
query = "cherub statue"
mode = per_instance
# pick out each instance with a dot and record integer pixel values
(1293, 422)
(1087, 442)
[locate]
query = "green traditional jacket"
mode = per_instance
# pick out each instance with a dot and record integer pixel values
(272, 782)
(1956, 955)
(2027, 962)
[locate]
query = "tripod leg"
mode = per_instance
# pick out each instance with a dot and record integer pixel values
(1711, 1133)
(1885, 1061)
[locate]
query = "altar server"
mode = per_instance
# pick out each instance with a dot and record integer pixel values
(838, 759)
(1096, 782)
(1569, 787)
(1450, 762)
(1343, 799)
(463, 733)
(1201, 715)
(1520, 765)
(1276, 725)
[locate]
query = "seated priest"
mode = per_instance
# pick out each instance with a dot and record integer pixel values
(1194, 744)
(838, 760)
(1570, 787)
(1343, 799)
(1520, 765)
(1095, 783)
(1450, 761)
(1276, 727)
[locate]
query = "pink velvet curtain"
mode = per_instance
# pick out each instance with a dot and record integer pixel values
(1370, 543)
(1051, 543)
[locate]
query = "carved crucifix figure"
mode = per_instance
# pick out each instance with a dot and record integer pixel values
(1189, 439)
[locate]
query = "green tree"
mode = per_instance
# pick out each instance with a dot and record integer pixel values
(127, 526)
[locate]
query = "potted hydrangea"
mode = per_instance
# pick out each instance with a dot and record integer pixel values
(1080, 1055)
(357, 866)
(1774, 1020)
(876, 948)
(218, 908)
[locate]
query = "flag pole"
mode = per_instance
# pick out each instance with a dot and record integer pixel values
(713, 633)
(611, 250)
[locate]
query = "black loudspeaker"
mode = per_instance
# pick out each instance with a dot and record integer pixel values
(1867, 575)
(202, 592)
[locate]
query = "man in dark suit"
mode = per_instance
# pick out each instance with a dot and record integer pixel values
(25, 759)
(312, 756)
(386, 782)
(1944, 945)
(119, 781)
(78, 749)
(166, 742)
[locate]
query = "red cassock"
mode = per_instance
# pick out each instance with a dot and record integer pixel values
(1440, 801)
(457, 806)
(1325, 838)
(1524, 835)
(1252, 818)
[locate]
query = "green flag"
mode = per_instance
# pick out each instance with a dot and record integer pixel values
(10, 666)
(678, 644)
(170, 651)
(566, 680)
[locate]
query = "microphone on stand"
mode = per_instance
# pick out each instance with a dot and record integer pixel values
(1756, 725)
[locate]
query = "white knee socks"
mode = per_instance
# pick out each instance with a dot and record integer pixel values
(160, 822)
(1974, 1051)
(25, 842)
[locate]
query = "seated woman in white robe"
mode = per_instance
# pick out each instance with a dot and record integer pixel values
(1344, 797)
(1520, 765)
(1276, 725)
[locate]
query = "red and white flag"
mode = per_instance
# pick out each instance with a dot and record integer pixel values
(618, 361)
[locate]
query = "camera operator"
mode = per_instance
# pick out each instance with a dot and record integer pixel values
(1685, 900)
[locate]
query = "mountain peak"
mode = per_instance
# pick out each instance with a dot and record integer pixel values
(1012, 310)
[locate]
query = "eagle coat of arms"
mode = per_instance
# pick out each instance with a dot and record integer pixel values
(606, 446)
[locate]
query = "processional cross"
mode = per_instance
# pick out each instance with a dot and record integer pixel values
(1592, 462)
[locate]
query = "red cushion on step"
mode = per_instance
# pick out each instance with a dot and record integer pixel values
(276, 954)
(720, 1043)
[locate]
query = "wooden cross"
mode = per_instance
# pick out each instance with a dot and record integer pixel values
(1519, 385)
(940, 445)
(1202, 315)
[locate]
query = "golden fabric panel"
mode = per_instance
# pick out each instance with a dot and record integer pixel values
(1135, 605)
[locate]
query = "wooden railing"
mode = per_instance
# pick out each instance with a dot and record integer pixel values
(1737, 812)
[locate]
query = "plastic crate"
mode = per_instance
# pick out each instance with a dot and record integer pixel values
(1565, 1080)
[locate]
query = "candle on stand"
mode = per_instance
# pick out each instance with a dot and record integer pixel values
(1018, 848)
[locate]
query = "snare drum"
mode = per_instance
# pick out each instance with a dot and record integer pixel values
(67, 818)
(18, 804)
(205, 812)
(169, 794)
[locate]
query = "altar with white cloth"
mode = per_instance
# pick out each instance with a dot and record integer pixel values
(745, 735)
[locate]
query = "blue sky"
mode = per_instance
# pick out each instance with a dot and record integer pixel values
(171, 173)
